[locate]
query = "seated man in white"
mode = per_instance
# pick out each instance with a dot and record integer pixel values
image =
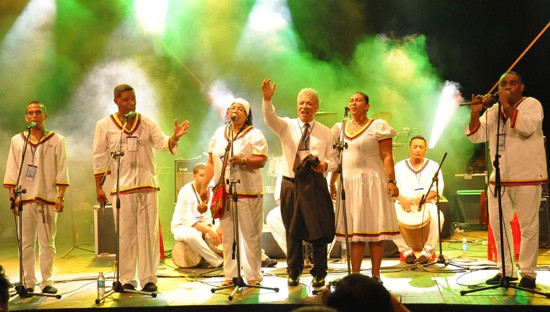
(192, 220)
(414, 176)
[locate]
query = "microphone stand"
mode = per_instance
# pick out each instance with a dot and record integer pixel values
(435, 179)
(117, 285)
(504, 282)
(75, 244)
(340, 146)
(20, 287)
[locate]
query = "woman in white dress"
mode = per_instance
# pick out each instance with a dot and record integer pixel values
(369, 182)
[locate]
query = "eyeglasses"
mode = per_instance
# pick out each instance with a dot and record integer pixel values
(35, 112)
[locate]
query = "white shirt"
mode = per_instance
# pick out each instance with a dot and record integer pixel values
(51, 161)
(289, 131)
(415, 183)
(250, 142)
(137, 168)
(522, 156)
(186, 213)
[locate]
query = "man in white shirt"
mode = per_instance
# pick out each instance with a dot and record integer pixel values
(414, 176)
(192, 220)
(514, 129)
(294, 132)
(137, 183)
(44, 177)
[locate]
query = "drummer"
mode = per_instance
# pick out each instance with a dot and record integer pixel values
(192, 221)
(414, 176)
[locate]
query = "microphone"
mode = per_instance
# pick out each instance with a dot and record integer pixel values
(493, 99)
(129, 114)
(233, 116)
(31, 125)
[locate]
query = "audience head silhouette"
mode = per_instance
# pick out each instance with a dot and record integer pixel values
(358, 292)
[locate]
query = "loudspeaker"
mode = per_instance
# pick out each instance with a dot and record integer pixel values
(474, 181)
(105, 234)
(544, 223)
(469, 204)
(184, 172)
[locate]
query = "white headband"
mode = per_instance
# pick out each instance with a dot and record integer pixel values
(244, 103)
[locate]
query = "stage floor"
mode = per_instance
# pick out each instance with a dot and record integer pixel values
(421, 288)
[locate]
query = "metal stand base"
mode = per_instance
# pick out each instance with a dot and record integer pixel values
(23, 293)
(77, 246)
(505, 284)
(117, 288)
(238, 284)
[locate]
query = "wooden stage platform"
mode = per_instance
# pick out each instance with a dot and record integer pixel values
(434, 287)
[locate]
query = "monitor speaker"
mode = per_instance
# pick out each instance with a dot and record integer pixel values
(469, 202)
(104, 230)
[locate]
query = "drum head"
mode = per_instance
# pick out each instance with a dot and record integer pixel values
(218, 249)
(414, 226)
(184, 257)
(414, 219)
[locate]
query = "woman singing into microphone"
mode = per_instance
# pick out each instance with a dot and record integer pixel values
(248, 157)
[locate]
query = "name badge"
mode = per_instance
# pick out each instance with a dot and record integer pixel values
(501, 141)
(31, 172)
(303, 153)
(132, 143)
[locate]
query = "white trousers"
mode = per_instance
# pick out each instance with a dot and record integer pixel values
(196, 242)
(433, 236)
(40, 219)
(275, 222)
(249, 212)
(139, 237)
(525, 200)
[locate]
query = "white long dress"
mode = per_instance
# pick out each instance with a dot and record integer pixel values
(369, 208)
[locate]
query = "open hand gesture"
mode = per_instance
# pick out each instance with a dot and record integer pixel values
(267, 89)
(180, 129)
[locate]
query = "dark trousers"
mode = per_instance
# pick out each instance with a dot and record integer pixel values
(295, 254)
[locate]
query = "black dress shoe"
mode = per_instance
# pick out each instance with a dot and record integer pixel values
(527, 283)
(128, 286)
(422, 260)
(150, 287)
(269, 263)
(29, 290)
(318, 281)
(496, 279)
(293, 281)
(49, 290)
(410, 258)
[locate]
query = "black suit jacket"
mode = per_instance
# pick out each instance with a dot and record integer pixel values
(313, 218)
